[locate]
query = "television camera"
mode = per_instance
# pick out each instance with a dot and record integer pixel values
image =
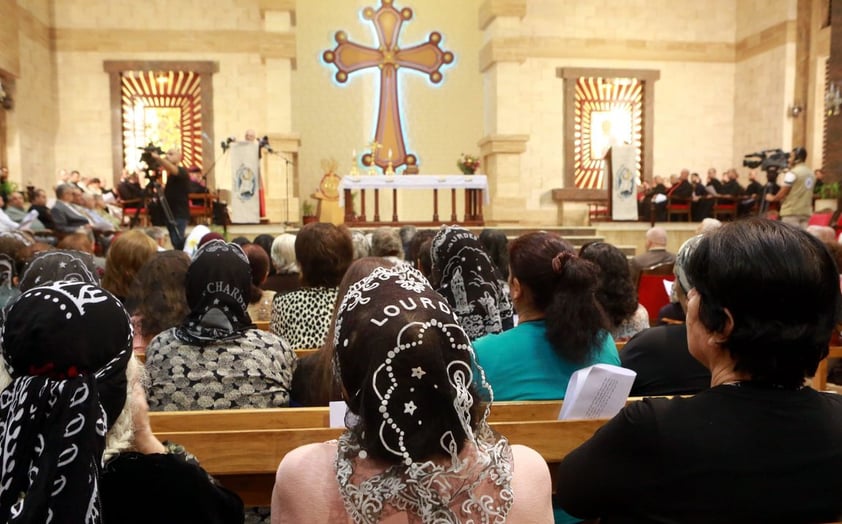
(150, 161)
(776, 159)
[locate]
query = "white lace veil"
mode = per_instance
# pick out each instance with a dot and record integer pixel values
(413, 443)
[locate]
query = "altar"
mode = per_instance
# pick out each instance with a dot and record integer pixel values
(475, 188)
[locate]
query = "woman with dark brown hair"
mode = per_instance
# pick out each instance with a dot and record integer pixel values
(260, 300)
(157, 300)
(561, 326)
(302, 317)
(615, 291)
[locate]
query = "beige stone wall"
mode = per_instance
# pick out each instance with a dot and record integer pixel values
(726, 80)
(440, 122)
(32, 123)
(765, 76)
(691, 44)
(251, 40)
(755, 16)
(9, 52)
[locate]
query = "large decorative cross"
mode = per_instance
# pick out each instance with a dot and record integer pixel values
(349, 57)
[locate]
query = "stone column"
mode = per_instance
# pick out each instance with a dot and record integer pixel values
(279, 170)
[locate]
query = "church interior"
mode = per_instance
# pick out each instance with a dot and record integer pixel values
(535, 89)
(506, 114)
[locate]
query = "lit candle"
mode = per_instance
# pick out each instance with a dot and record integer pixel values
(390, 153)
(354, 155)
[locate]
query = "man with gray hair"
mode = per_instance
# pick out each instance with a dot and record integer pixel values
(656, 253)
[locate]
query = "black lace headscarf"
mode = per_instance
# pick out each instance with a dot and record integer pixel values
(66, 347)
(55, 265)
(470, 282)
(218, 283)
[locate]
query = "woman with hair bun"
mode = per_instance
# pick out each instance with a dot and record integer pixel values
(561, 326)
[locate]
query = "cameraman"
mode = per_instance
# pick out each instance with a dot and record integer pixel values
(796, 193)
(176, 191)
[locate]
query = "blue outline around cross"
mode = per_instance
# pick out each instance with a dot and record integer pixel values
(427, 57)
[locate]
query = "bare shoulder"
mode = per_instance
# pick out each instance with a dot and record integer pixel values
(305, 485)
(531, 486)
(311, 460)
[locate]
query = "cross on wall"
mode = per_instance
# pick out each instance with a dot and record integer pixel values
(427, 57)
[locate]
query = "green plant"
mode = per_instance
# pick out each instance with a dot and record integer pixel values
(831, 190)
(308, 209)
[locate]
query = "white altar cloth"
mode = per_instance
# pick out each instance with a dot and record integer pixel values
(413, 182)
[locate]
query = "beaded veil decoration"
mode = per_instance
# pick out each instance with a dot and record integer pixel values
(416, 442)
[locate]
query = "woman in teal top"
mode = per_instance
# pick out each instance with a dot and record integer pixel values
(561, 326)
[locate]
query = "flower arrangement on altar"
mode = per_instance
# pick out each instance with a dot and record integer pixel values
(467, 164)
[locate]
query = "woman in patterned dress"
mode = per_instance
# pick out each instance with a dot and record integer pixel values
(216, 359)
(302, 317)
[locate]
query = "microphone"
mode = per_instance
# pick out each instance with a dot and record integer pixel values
(264, 144)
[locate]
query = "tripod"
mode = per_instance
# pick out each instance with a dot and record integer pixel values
(155, 193)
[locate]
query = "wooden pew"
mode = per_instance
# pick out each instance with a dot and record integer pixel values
(317, 417)
(246, 460)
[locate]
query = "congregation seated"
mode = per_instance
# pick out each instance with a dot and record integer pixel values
(648, 195)
(129, 188)
(157, 298)
(222, 361)
(386, 242)
(656, 253)
(67, 363)
(417, 447)
(57, 265)
(259, 300)
(302, 317)
(65, 216)
(414, 251)
(615, 291)
(660, 355)
(758, 446)
(16, 210)
(362, 246)
(38, 202)
(127, 254)
(287, 275)
(463, 274)
(312, 382)
(496, 245)
(561, 326)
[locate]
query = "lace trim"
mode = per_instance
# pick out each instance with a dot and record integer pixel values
(474, 488)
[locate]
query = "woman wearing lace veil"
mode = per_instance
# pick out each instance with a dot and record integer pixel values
(465, 275)
(417, 446)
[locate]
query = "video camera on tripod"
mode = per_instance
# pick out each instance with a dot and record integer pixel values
(766, 159)
(150, 161)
